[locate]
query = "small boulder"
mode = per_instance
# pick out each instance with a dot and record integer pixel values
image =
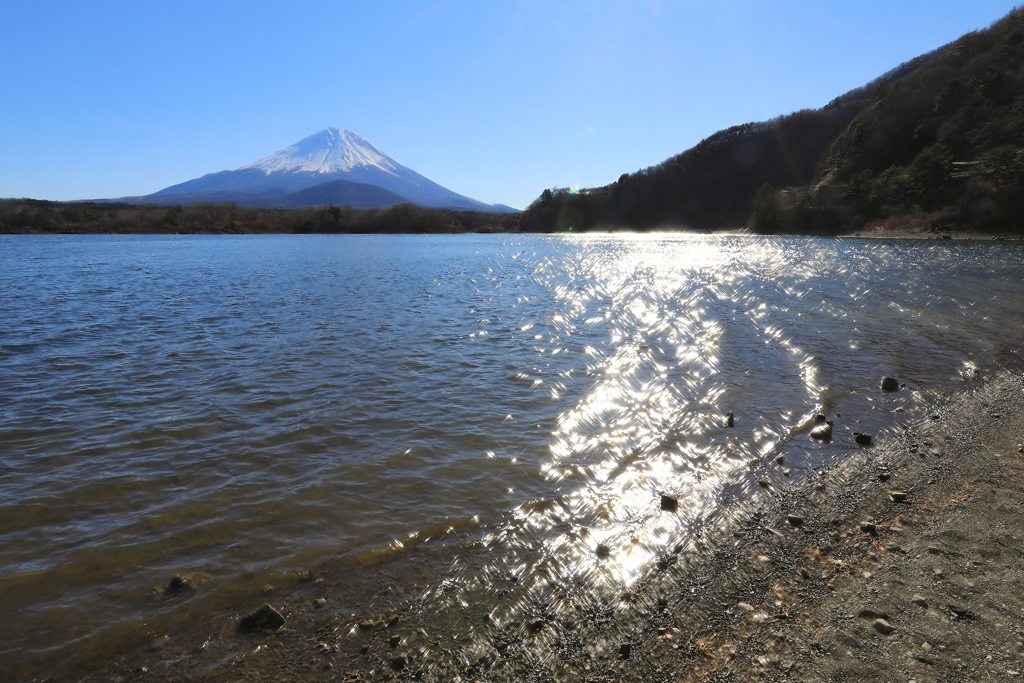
(863, 439)
(919, 600)
(669, 504)
(822, 432)
(899, 496)
(890, 384)
(795, 520)
(883, 626)
(265, 618)
(602, 551)
(729, 420)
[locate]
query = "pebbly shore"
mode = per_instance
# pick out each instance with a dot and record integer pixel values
(904, 562)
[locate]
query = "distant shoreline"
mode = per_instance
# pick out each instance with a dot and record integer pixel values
(40, 217)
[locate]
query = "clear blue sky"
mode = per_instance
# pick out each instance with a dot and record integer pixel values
(495, 100)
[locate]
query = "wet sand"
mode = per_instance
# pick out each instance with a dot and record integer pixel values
(838, 577)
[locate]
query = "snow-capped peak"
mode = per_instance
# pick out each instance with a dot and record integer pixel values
(328, 151)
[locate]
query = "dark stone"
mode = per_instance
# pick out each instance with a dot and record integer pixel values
(180, 584)
(890, 384)
(398, 663)
(868, 528)
(602, 551)
(625, 650)
(864, 439)
(822, 432)
(898, 496)
(959, 613)
(795, 520)
(819, 418)
(669, 504)
(394, 641)
(265, 618)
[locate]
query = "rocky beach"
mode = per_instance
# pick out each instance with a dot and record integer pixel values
(902, 563)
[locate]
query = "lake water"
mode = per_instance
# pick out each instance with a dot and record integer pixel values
(227, 406)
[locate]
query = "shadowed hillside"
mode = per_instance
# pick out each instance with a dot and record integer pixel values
(939, 136)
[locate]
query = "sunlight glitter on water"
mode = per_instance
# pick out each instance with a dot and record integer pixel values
(652, 423)
(232, 406)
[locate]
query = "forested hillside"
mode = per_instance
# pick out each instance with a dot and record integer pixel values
(938, 139)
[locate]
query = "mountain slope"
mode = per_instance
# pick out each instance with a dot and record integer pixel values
(943, 146)
(936, 142)
(325, 157)
(342, 193)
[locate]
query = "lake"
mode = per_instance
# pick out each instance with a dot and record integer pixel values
(240, 408)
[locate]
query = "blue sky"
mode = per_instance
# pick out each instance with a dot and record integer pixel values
(495, 100)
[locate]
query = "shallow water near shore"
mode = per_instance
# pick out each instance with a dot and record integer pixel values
(239, 407)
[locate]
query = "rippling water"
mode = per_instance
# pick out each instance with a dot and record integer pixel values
(228, 405)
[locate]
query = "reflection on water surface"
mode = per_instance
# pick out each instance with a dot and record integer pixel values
(225, 406)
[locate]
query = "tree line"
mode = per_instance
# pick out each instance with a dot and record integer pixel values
(38, 216)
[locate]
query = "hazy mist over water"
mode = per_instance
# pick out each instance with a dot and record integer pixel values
(226, 405)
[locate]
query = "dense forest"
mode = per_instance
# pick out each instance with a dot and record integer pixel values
(32, 216)
(937, 141)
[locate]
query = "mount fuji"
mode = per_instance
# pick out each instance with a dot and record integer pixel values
(330, 167)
